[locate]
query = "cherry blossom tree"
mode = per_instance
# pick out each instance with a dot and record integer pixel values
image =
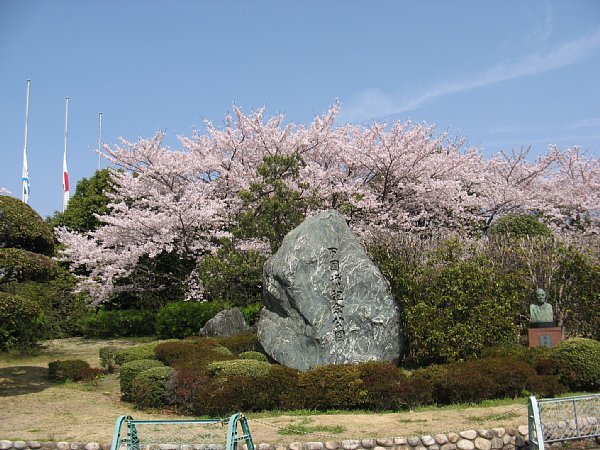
(399, 176)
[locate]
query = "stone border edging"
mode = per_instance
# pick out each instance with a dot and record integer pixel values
(495, 439)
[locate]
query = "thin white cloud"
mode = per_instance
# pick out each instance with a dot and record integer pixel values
(374, 103)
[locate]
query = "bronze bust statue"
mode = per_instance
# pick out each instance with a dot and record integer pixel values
(541, 312)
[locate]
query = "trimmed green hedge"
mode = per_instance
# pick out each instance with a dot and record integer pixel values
(148, 387)
(578, 362)
(131, 370)
(21, 322)
(182, 319)
(238, 367)
(21, 227)
(115, 323)
(72, 369)
(21, 265)
(137, 352)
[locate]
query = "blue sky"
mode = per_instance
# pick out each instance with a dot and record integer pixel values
(502, 74)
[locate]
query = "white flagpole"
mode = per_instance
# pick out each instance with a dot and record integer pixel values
(65, 172)
(99, 138)
(25, 172)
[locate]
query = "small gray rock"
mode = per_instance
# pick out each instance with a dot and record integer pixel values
(350, 444)
(465, 444)
(5, 445)
(19, 445)
(226, 323)
(427, 440)
(313, 446)
(469, 434)
(482, 443)
(368, 443)
(448, 446)
(414, 441)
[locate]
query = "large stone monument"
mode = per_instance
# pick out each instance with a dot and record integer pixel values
(542, 331)
(325, 302)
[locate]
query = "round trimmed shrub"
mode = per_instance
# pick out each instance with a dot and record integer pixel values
(130, 370)
(578, 361)
(519, 226)
(239, 367)
(142, 351)
(21, 227)
(182, 319)
(21, 265)
(21, 322)
(148, 387)
(258, 356)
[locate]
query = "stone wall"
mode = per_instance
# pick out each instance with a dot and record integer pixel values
(495, 439)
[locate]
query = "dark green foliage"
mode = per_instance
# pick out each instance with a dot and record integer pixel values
(130, 370)
(464, 306)
(22, 265)
(21, 322)
(251, 312)
(518, 226)
(61, 306)
(245, 342)
(113, 323)
(89, 199)
(72, 369)
(142, 351)
(182, 319)
(232, 275)
(331, 387)
(148, 387)
(578, 361)
(381, 380)
(21, 227)
(108, 357)
(271, 208)
(253, 355)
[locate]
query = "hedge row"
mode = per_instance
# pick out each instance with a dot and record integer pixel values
(207, 378)
(175, 320)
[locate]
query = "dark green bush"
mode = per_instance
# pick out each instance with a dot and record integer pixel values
(381, 380)
(238, 367)
(331, 387)
(251, 312)
(245, 342)
(108, 356)
(148, 387)
(578, 361)
(254, 355)
(182, 319)
(71, 369)
(130, 370)
(518, 226)
(22, 227)
(21, 265)
(142, 351)
(115, 323)
(21, 322)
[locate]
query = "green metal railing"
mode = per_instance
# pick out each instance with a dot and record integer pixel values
(126, 431)
(562, 419)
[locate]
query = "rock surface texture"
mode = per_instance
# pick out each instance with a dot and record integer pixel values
(325, 302)
(226, 323)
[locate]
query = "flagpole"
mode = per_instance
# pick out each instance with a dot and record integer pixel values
(99, 139)
(25, 172)
(65, 172)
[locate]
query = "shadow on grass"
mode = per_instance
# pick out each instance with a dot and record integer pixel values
(19, 380)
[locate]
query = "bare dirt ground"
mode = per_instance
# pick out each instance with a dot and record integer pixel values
(32, 408)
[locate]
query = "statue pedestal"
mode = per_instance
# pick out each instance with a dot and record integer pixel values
(544, 337)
